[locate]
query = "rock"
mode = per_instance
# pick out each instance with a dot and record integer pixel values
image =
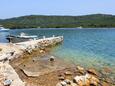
(33, 60)
(108, 80)
(107, 70)
(86, 80)
(12, 53)
(94, 81)
(67, 73)
(93, 72)
(0, 49)
(73, 84)
(105, 84)
(80, 69)
(58, 84)
(61, 78)
(67, 81)
(42, 51)
(52, 58)
(63, 83)
(78, 80)
(7, 82)
(88, 76)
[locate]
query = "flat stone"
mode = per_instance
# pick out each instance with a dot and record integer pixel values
(32, 74)
(68, 73)
(92, 71)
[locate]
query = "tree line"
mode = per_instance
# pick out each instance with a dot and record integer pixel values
(41, 21)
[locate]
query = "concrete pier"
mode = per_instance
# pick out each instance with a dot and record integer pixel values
(14, 50)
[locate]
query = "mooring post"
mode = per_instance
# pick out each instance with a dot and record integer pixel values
(44, 37)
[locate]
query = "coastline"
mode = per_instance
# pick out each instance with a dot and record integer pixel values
(54, 74)
(9, 52)
(52, 77)
(64, 28)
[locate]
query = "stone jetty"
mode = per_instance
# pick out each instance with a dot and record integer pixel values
(14, 50)
(10, 51)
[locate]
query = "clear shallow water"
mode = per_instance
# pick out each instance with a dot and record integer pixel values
(87, 47)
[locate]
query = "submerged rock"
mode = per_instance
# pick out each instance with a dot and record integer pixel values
(107, 70)
(52, 58)
(80, 69)
(93, 72)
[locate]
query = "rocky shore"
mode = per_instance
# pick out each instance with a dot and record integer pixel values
(9, 52)
(27, 64)
(60, 73)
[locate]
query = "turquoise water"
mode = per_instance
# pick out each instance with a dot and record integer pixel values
(87, 47)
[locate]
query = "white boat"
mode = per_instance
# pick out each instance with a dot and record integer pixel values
(3, 29)
(20, 38)
(24, 35)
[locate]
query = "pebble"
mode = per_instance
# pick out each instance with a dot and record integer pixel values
(52, 58)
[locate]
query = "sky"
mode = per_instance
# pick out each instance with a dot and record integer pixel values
(15, 8)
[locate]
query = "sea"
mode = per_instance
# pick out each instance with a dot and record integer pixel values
(89, 47)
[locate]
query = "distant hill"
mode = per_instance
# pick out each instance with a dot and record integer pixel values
(35, 21)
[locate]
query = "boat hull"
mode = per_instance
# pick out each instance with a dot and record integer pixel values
(4, 30)
(14, 39)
